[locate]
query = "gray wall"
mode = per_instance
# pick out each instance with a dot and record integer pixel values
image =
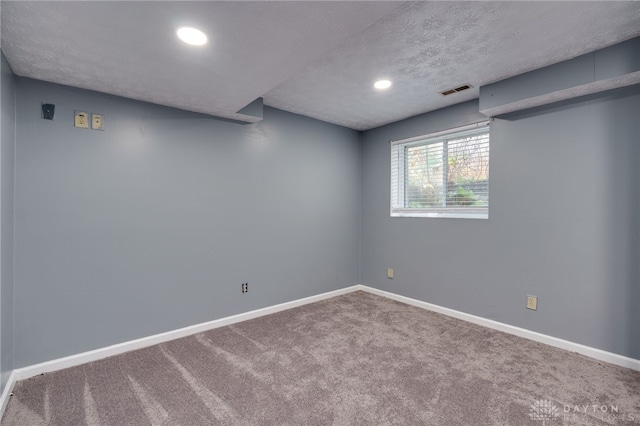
(154, 223)
(7, 125)
(563, 223)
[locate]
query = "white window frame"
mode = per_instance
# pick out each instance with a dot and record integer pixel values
(398, 176)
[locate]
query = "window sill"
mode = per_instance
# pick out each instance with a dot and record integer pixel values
(445, 214)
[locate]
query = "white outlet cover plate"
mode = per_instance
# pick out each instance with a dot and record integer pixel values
(532, 302)
(97, 121)
(81, 119)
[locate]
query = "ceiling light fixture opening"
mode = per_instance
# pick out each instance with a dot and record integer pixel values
(192, 36)
(382, 84)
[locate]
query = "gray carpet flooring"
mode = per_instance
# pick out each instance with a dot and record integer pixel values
(357, 359)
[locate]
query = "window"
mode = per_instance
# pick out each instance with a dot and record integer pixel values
(445, 174)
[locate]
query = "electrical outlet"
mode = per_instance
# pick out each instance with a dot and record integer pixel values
(532, 302)
(390, 273)
(97, 122)
(81, 120)
(245, 287)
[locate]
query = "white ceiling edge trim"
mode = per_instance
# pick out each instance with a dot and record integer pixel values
(247, 119)
(565, 94)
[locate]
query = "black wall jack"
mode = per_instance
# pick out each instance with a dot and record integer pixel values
(48, 110)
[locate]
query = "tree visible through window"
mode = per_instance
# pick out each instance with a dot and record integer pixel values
(442, 176)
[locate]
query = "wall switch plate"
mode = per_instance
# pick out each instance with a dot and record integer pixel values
(390, 273)
(97, 122)
(81, 120)
(532, 302)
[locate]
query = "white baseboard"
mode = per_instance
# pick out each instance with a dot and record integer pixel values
(6, 393)
(599, 354)
(101, 353)
(97, 354)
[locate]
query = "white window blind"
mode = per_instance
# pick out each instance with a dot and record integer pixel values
(445, 174)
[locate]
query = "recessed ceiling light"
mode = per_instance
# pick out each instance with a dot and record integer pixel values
(192, 36)
(382, 84)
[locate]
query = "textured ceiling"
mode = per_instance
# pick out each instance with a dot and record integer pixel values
(130, 48)
(318, 59)
(427, 47)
